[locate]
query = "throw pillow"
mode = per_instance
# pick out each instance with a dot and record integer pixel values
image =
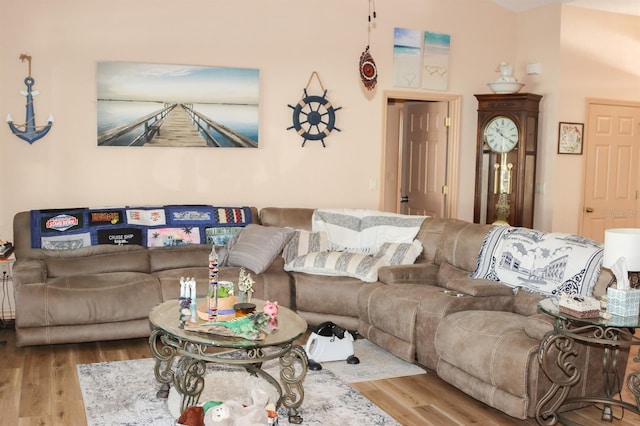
(357, 265)
(542, 263)
(303, 242)
(400, 253)
(257, 246)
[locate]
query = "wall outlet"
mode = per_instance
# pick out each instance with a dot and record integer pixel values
(5, 268)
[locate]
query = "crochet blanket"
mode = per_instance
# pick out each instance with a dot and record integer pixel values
(539, 262)
(170, 225)
(364, 231)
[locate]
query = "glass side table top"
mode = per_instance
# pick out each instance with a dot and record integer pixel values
(550, 307)
(166, 317)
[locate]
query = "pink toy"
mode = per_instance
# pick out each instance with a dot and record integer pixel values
(271, 309)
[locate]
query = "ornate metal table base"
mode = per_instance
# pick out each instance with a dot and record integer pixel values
(190, 367)
(563, 341)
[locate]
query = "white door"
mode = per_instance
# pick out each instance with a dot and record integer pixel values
(612, 149)
(424, 158)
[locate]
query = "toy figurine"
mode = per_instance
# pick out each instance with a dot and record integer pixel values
(271, 309)
(245, 285)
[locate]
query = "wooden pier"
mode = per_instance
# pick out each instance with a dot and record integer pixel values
(177, 129)
(176, 125)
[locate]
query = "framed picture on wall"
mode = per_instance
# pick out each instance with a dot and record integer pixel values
(570, 138)
(172, 105)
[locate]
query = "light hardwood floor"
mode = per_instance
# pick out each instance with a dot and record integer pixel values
(39, 386)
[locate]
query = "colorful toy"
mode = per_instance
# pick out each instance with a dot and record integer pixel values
(192, 416)
(232, 413)
(249, 327)
(271, 309)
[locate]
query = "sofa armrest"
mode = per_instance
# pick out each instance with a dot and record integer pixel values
(537, 326)
(29, 271)
(423, 273)
(478, 287)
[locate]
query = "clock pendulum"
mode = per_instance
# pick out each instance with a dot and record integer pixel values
(502, 187)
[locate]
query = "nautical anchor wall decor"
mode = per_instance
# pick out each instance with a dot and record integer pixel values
(309, 115)
(29, 131)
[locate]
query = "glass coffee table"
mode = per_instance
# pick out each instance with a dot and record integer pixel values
(613, 335)
(181, 356)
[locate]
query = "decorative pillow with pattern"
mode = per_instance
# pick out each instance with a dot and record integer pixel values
(400, 253)
(357, 265)
(303, 242)
(338, 263)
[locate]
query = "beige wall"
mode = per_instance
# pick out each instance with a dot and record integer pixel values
(287, 40)
(600, 58)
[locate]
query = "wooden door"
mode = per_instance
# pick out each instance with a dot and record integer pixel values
(612, 148)
(424, 159)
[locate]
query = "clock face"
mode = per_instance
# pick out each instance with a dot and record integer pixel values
(501, 134)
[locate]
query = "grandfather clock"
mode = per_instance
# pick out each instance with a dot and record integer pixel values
(506, 158)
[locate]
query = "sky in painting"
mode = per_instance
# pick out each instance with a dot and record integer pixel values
(406, 37)
(177, 83)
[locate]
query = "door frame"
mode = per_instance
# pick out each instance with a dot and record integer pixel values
(391, 167)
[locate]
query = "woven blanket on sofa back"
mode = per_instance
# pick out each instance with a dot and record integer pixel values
(544, 263)
(169, 225)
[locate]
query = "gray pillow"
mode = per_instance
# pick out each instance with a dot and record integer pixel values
(257, 246)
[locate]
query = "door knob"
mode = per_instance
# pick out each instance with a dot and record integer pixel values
(404, 199)
(589, 210)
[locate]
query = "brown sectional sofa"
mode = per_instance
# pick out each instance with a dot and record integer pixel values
(475, 334)
(106, 292)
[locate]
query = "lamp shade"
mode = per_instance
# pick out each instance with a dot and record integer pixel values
(622, 242)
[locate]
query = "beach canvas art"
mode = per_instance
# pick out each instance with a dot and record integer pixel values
(435, 68)
(407, 44)
(146, 104)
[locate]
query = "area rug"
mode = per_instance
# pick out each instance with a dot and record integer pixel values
(124, 392)
(375, 364)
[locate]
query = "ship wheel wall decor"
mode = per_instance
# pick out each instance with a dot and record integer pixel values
(314, 117)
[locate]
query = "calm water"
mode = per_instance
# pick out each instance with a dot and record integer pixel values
(241, 118)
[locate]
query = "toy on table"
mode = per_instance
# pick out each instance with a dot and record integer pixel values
(245, 285)
(271, 309)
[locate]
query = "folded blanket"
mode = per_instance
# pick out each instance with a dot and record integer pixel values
(364, 231)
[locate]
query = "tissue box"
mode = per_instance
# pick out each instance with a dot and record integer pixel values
(625, 303)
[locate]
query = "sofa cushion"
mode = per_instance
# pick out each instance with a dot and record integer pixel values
(88, 299)
(256, 247)
(96, 260)
(491, 346)
(303, 242)
(178, 257)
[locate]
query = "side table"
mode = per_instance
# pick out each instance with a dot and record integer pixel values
(611, 334)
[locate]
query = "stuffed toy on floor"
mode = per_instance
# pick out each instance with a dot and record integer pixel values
(192, 416)
(232, 413)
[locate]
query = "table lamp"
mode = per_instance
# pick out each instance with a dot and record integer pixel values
(625, 243)
(622, 256)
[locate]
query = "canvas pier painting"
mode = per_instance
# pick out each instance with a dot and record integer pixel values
(147, 105)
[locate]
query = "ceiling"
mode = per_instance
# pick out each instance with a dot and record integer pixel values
(628, 7)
